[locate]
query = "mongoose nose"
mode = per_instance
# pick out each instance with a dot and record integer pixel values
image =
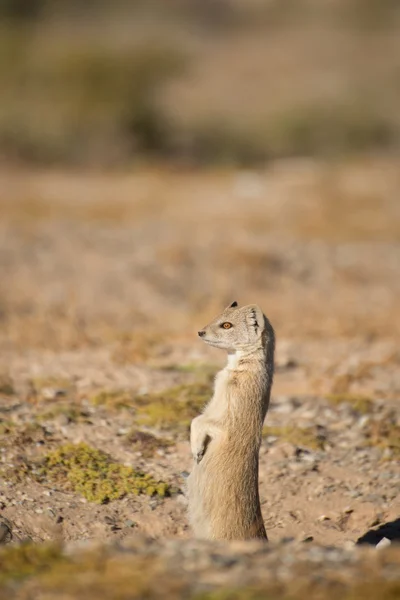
(201, 333)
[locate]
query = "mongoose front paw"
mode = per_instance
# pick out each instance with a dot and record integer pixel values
(200, 448)
(199, 456)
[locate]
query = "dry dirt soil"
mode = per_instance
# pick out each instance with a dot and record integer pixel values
(105, 279)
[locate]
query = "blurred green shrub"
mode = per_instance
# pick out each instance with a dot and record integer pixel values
(321, 129)
(330, 129)
(75, 104)
(20, 9)
(91, 98)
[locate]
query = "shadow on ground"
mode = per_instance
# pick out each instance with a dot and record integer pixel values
(390, 530)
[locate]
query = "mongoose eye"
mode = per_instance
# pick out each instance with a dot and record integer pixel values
(226, 325)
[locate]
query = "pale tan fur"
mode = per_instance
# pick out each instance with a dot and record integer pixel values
(225, 439)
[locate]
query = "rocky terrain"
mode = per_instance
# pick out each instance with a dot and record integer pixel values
(105, 281)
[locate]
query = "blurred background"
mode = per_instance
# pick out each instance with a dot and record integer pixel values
(199, 81)
(160, 159)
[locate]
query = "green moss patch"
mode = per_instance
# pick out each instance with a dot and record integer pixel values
(111, 399)
(358, 403)
(204, 372)
(173, 408)
(93, 474)
(307, 437)
(72, 412)
(384, 434)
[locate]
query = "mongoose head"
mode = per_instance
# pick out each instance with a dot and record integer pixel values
(238, 328)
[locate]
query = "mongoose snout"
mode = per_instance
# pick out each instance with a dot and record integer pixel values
(201, 333)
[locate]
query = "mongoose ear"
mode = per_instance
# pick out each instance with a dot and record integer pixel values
(233, 305)
(255, 317)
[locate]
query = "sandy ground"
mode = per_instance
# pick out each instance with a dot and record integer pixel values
(107, 278)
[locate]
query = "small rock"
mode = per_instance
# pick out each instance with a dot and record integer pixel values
(323, 518)
(130, 523)
(50, 393)
(109, 520)
(5, 531)
(355, 494)
(63, 420)
(384, 543)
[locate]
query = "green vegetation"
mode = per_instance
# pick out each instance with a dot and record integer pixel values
(100, 102)
(173, 408)
(24, 560)
(83, 97)
(306, 437)
(384, 433)
(358, 403)
(72, 413)
(94, 475)
(114, 399)
(203, 371)
(331, 129)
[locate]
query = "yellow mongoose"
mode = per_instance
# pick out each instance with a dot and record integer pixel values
(222, 489)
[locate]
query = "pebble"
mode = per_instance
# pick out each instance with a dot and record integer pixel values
(5, 532)
(130, 523)
(50, 393)
(384, 543)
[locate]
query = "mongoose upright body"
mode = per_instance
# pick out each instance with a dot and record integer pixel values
(225, 439)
